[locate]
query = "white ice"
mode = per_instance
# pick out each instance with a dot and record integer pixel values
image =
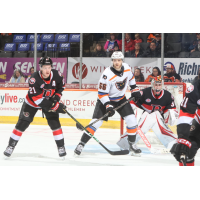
(37, 148)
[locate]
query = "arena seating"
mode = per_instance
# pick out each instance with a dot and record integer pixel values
(176, 44)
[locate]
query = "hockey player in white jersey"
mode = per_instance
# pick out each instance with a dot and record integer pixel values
(111, 93)
(159, 111)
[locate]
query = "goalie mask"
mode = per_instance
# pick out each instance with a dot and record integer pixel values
(157, 85)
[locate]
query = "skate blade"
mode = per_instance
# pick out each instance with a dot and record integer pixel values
(62, 158)
(135, 154)
(76, 155)
(6, 157)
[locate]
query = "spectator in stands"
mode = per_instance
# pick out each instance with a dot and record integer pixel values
(137, 52)
(195, 46)
(98, 51)
(152, 52)
(116, 47)
(171, 75)
(32, 71)
(17, 77)
(139, 77)
(196, 78)
(157, 40)
(109, 45)
(137, 38)
(155, 72)
(150, 37)
(129, 44)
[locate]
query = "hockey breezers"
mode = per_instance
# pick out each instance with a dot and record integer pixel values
(114, 153)
(81, 127)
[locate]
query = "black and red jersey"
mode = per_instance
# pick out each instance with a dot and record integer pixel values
(41, 90)
(189, 109)
(151, 103)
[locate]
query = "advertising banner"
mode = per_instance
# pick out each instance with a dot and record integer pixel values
(8, 65)
(80, 104)
(93, 67)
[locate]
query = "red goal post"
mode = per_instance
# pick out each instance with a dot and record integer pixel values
(176, 89)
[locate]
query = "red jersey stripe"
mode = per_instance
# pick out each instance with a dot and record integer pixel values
(16, 132)
(181, 114)
(32, 103)
(57, 132)
(35, 98)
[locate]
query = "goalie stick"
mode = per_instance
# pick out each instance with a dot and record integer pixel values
(148, 144)
(114, 153)
(81, 127)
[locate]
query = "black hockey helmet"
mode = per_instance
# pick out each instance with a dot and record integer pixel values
(45, 61)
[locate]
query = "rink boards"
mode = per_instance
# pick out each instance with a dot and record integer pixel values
(80, 103)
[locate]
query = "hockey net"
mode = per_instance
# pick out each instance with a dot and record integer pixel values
(176, 89)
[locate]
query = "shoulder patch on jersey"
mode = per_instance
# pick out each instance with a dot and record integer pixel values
(26, 114)
(42, 85)
(120, 85)
(190, 89)
(32, 81)
(148, 100)
(104, 77)
(198, 102)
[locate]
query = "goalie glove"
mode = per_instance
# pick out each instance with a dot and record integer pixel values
(180, 148)
(170, 116)
(136, 93)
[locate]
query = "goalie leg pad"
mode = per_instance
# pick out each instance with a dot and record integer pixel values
(163, 132)
(123, 142)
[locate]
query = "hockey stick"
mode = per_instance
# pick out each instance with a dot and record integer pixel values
(80, 127)
(183, 160)
(114, 153)
(148, 144)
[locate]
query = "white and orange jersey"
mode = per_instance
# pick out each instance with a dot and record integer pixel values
(113, 85)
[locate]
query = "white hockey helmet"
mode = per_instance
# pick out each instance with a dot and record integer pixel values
(117, 55)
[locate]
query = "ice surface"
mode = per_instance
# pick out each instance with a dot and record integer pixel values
(37, 147)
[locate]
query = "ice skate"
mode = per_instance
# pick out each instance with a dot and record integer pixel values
(62, 153)
(78, 149)
(8, 151)
(133, 149)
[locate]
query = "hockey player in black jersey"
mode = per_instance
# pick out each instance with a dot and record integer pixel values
(188, 127)
(45, 91)
(159, 111)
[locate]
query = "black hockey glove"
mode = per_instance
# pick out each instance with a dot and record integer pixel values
(55, 98)
(58, 108)
(109, 108)
(136, 93)
(182, 147)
